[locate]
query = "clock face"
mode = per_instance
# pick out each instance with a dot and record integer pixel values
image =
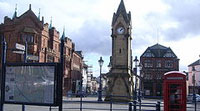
(120, 30)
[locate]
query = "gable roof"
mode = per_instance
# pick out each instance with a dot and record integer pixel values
(158, 50)
(158, 46)
(195, 63)
(31, 14)
(122, 10)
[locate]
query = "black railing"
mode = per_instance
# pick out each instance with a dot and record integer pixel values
(111, 104)
(90, 103)
(129, 106)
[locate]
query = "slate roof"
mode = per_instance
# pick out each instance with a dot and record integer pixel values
(158, 50)
(122, 10)
(195, 63)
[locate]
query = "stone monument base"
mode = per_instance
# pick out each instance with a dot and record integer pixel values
(119, 88)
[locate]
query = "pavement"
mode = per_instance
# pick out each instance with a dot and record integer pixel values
(89, 104)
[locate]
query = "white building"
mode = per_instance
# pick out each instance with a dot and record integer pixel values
(194, 77)
(84, 78)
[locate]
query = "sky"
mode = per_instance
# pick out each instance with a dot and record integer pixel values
(172, 23)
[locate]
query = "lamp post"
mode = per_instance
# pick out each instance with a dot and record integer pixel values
(135, 70)
(193, 81)
(100, 84)
(140, 85)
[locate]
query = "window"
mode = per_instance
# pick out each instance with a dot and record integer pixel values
(148, 54)
(148, 63)
(55, 46)
(148, 76)
(50, 58)
(168, 64)
(69, 51)
(43, 42)
(158, 63)
(120, 51)
(28, 37)
(158, 76)
(169, 54)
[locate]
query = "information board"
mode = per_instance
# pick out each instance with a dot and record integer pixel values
(30, 84)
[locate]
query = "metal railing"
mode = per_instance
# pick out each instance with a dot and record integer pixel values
(91, 105)
(133, 106)
(109, 105)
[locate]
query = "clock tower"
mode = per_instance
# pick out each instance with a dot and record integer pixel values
(120, 80)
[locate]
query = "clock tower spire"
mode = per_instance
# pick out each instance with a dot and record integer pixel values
(120, 77)
(122, 10)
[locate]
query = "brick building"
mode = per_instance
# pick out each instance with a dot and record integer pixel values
(156, 60)
(43, 43)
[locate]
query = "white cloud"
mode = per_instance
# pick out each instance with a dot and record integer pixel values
(187, 50)
(173, 23)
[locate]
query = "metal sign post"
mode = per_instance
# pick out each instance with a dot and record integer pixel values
(61, 72)
(25, 60)
(25, 53)
(3, 61)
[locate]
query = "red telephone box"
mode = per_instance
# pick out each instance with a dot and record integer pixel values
(174, 89)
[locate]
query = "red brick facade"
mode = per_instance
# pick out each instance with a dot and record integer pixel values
(156, 61)
(43, 42)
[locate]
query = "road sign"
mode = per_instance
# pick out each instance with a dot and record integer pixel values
(32, 57)
(20, 46)
(18, 51)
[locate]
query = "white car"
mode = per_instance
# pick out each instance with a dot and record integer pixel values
(190, 97)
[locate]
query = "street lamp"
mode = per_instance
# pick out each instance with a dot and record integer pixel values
(135, 70)
(109, 66)
(193, 81)
(100, 84)
(140, 86)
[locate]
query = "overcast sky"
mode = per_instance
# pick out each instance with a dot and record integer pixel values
(172, 23)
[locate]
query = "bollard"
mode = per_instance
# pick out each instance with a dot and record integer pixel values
(130, 106)
(81, 102)
(158, 106)
(23, 107)
(134, 105)
(50, 108)
(110, 102)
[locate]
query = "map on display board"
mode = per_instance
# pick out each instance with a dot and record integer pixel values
(30, 84)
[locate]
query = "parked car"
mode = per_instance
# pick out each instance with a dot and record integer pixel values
(190, 97)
